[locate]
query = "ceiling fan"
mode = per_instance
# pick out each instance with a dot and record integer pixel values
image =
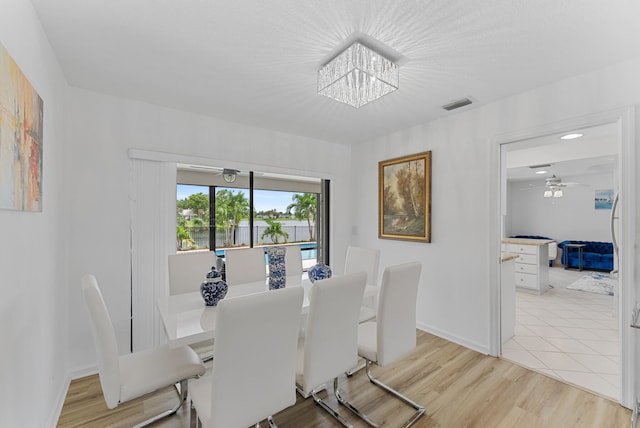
(228, 174)
(554, 185)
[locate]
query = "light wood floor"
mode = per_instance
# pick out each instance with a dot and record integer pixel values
(459, 387)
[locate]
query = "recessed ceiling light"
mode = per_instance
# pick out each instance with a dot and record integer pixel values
(541, 172)
(571, 136)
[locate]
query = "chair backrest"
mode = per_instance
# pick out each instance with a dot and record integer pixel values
(244, 265)
(331, 337)
(396, 318)
(360, 259)
(187, 270)
(105, 341)
(293, 261)
(255, 359)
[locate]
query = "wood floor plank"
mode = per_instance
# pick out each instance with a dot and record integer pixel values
(459, 387)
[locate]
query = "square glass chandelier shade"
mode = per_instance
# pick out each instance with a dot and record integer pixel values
(358, 76)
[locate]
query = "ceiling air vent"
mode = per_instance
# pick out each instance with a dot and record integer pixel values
(542, 165)
(457, 104)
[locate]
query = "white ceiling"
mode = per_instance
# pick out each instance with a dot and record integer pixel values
(596, 152)
(255, 61)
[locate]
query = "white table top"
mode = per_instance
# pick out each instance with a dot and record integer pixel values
(187, 320)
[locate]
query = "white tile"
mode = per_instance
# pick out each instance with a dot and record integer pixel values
(548, 331)
(591, 382)
(560, 322)
(549, 373)
(603, 347)
(579, 333)
(578, 324)
(596, 363)
(570, 345)
(609, 323)
(610, 335)
(530, 320)
(558, 361)
(522, 357)
(512, 344)
(614, 380)
(535, 343)
(521, 330)
(584, 323)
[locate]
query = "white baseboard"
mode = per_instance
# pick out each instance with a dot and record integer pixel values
(83, 371)
(62, 395)
(483, 349)
(55, 412)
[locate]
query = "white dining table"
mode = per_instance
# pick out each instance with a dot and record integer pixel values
(187, 320)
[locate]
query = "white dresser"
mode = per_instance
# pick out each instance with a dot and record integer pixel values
(532, 264)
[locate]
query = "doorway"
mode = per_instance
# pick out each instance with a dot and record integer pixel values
(621, 122)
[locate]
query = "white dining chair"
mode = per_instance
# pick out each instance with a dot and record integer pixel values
(361, 259)
(243, 265)
(329, 346)
(245, 386)
(393, 334)
(293, 263)
(187, 270)
(126, 377)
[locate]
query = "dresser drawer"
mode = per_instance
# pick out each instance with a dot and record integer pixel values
(530, 259)
(522, 249)
(526, 268)
(526, 280)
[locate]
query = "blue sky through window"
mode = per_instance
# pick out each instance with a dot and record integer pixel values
(264, 200)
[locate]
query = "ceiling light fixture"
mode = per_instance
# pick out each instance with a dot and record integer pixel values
(229, 175)
(541, 172)
(553, 187)
(571, 136)
(357, 76)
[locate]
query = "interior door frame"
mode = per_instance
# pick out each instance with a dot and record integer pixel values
(624, 119)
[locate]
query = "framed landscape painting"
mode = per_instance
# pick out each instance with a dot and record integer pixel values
(404, 198)
(20, 139)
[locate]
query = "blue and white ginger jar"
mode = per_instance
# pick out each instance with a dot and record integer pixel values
(214, 288)
(277, 267)
(319, 272)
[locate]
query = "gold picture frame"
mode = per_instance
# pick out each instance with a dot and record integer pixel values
(404, 198)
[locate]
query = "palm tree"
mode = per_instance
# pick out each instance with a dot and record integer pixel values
(183, 237)
(304, 207)
(274, 231)
(230, 210)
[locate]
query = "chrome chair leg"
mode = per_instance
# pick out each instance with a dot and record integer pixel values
(351, 407)
(329, 409)
(419, 409)
(182, 395)
(272, 423)
(355, 369)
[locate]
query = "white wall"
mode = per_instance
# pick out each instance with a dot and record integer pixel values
(453, 299)
(33, 302)
(572, 217)
(102, 129)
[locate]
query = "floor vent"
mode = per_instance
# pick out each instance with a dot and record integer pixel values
(457, 104)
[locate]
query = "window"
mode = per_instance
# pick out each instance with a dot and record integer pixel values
(255, 209)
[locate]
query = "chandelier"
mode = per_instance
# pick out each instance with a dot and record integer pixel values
(357, 76)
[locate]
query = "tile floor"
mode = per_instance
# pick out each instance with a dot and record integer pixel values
(569, 335)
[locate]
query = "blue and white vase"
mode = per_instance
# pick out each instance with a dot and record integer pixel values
(319, 272)
(277, 267)
(214, 288)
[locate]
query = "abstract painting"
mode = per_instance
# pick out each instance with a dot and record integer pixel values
(404, 198)
(20, 139)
